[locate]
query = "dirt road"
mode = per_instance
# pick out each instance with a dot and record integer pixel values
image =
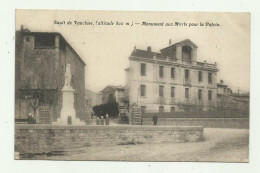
(221, 145)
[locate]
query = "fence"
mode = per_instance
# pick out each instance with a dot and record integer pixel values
(230, 113)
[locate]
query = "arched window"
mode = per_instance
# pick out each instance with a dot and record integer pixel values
(161, 109)
(186, 53)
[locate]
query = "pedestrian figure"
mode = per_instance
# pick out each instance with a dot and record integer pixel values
(102, 120)
(30, 118)
(155, 118)
(107, 119)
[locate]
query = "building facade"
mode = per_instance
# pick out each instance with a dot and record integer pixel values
(92, 99)
(115, 94)
(40, 62)
(171, 80)
(227, 100)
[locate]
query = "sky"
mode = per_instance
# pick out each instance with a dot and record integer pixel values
(105, 49)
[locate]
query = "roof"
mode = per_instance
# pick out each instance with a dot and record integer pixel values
(113, 87)
(28, 32)
(143, 53)
(222, 85)
(183, 42)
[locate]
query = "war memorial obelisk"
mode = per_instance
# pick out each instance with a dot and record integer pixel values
(68, 109)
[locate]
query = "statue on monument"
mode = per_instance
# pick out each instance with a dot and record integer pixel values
(68, 76)
(68, 112)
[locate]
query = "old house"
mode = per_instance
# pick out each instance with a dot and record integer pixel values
(171, 80)
(115, 94)
(92, 99)
(227, 100)
(40, 62)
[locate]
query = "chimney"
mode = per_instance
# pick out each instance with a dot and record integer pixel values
(149, 49)
(21, 27)
(170, 42)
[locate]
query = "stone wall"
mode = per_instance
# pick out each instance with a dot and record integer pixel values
(46, 138)
(241, 123)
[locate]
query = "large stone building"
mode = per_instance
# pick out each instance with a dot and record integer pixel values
(40, 62)
(171, 80)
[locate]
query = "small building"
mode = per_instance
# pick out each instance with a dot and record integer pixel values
(40, 62)
(113, 93)
(171, 80)
(92, 99)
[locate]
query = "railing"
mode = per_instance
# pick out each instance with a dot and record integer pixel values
(203, 64)
(200, 114)
(186, 62)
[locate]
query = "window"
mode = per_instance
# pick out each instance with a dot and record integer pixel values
(200, 94)
(187, 74)
(172, 72)
(143, 110)
(172, 109)
(143, 87)
(161, 109)
(44, 40)
(161, 71)
(186, 53)
(210, 78)
(110, 97)
(186, 92)
(161, 91)
(209, 95)
(143, 69)
(172, 91)
(200, 76)
(27, 39)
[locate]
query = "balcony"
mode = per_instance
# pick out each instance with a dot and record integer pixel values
(186, 62)
(208, 65)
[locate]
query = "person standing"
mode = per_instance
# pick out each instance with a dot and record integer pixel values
(155, 118)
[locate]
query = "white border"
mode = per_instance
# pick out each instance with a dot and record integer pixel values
(7, 162)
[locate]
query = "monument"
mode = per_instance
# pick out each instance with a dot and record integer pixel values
(68, 111)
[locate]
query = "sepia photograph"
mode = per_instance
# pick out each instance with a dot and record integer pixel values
(137, 86)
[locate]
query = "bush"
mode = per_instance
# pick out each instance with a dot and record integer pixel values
(110, 108)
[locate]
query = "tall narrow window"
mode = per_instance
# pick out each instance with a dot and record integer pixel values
(200, 76)
(200, 94)
(187, 74)
(143, 69)
(161, 91)
(161, 71)
(172, 72)
(210, 78)
(172, 92)
(209, 95)
(143, 87)
(186, 92)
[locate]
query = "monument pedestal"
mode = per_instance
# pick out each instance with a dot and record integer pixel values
(68, 108)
